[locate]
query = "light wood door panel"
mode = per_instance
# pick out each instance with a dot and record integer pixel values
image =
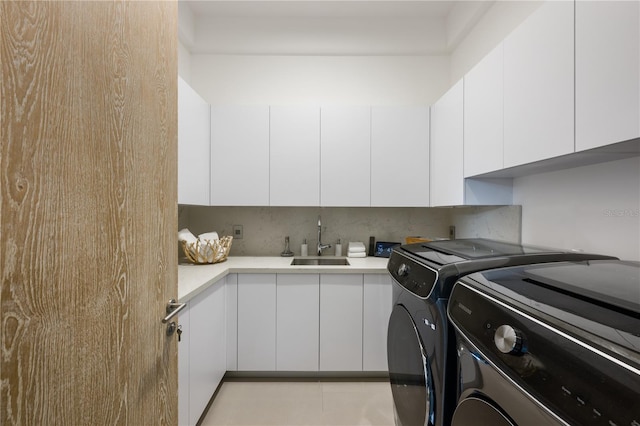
(88, 212)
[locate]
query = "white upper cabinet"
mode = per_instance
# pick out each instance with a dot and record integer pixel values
(400, 157)
(193, 146)
(345, 162)
(295, 156)
(240, 156)
(483, 115)
(607, 72)
(539, 86)
(447, 179)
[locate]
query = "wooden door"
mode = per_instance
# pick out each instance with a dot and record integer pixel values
(88, 212)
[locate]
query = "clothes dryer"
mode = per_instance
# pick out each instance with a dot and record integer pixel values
(548, 344)
(420, 343)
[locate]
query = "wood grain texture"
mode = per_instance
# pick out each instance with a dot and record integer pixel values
(88, 210)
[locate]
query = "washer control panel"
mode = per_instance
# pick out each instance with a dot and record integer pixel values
(413, 276)
(574, 379)
(508, 340)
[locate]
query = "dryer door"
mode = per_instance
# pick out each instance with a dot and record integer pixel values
(476, 411)
(411, 383)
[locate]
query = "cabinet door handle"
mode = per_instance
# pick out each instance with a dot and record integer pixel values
(172, 309)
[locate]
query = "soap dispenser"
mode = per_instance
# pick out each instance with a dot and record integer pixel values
(338, 248)
(304, 248)
(287, 252)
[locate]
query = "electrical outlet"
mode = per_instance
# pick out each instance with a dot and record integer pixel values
(237, 232)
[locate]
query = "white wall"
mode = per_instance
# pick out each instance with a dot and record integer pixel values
(184, 63)
(319, 80)
(594, 208)
(495, 222)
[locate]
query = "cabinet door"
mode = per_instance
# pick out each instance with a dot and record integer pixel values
(483, 115)
(183, 369)
(194, 145)
(340, 322)
(297, 323)
(256, 322)
(447, 180)
(207, 347)
(539, 86)
(240, 156)
(377, 307)
(607, 72)
(345, 161)
(232, 321)
(295, 156)
(400, 156)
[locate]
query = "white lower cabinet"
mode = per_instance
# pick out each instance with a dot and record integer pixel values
(232, 322)
(377, 306)
(280, 322)
(183, 369)
(202, 352)
(256, 322)
(309, 322)
(341, 322)
(297, 322)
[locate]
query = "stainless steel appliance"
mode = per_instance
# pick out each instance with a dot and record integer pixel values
(549, 344)
(421, 344)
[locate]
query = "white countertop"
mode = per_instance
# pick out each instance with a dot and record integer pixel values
(193, 279)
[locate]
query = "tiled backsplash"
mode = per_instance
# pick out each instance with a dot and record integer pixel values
(265, 228)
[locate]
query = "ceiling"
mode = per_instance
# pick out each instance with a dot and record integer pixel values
(327, 27)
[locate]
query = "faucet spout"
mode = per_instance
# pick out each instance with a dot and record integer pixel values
(320, 245)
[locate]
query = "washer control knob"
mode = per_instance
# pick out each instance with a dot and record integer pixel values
(403, 270)
(508, 340)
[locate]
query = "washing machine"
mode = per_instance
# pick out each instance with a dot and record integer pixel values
(421, 348)
(548, 344)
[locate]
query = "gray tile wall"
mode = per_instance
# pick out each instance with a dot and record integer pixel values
(265, 228)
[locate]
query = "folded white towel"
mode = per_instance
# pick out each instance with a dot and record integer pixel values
(187, 236)
(357, 254)
(356, 247)
(208, 236)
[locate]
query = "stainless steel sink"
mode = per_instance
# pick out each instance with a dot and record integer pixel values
(320, 261)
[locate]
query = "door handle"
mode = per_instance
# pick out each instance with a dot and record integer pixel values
(172, 309)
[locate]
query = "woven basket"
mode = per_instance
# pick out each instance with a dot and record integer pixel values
(208, 251)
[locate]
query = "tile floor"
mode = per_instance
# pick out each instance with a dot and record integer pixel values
(301, 402)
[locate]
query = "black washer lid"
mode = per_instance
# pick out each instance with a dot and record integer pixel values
(611, 282)
(599, 296)
(452, 251)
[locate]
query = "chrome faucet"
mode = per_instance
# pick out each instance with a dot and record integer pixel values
(320, 245)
